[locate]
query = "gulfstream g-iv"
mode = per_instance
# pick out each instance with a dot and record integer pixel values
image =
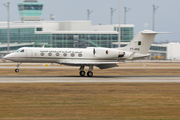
(100, 57)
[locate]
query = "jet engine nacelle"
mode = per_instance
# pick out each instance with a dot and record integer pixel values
(108, 53)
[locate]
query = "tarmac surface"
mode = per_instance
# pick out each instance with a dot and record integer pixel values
(39, 67)
(95, 79)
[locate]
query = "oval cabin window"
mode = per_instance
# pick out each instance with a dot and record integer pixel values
(65, 54)
(80, 55)
(50, 54)
(42, 54)
(72, 54)
(57, 54)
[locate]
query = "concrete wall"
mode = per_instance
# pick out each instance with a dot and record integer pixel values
(75, 26)
(173, 51)
(108, 27)
(50, 26)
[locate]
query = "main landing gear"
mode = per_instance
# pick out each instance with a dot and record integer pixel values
(17, 70)
(89, 73)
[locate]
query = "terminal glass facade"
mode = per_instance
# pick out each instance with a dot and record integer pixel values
(127, 33)
(13, 48)
(27, 35)
(90, 40)
(158, 48)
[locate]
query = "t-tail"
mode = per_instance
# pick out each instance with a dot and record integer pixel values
(141, 42)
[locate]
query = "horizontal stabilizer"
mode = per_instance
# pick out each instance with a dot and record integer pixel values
(153, 32)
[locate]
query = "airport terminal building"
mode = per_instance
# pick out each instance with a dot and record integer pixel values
(32, 31)
(62, 34)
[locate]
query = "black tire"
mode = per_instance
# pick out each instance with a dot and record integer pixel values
(90, 74)
(16, 70)
(82, 73)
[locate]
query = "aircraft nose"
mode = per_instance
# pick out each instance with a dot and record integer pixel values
(7, 57)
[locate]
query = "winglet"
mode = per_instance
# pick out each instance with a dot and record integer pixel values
(131, 56)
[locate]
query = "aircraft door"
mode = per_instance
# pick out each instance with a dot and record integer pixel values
(28, 54)
(94, 51)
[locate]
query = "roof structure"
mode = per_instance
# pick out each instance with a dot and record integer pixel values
(30, 1)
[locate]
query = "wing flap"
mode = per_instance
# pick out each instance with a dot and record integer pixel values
(89, 63)
(105, 66)
(101, 65)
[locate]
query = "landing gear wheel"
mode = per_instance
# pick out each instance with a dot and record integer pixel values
(16, 70)
(90, 74)
(82, 73)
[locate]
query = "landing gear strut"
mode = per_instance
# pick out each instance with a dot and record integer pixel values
(17, 70)
(90, 73)
(82, 72)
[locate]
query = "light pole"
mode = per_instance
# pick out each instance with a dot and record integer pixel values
(7, 6)
(154, 11)
(112, 11)
(125, 11)
(88, 14)
(119, 38)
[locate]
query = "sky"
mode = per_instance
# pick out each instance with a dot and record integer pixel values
(167, 17)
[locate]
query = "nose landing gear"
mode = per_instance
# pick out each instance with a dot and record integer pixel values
(17, 70)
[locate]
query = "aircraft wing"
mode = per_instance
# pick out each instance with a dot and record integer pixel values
(101, 65)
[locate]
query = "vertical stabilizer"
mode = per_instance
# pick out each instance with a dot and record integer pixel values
(141, 42)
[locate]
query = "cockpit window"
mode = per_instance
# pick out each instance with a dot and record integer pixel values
(22, 50)
(18, 50)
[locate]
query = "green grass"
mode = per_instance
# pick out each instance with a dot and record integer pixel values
(86, 101)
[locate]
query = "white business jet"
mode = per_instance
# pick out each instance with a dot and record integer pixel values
(91, 56)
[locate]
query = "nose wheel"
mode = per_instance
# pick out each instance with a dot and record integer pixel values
(16, 70)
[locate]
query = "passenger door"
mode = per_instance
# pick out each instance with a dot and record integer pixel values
(28, 54)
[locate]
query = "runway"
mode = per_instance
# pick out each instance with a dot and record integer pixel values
(41, 67)
(95, 79)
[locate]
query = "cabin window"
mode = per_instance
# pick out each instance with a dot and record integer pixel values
(57, 54)
(80, 55)
(50, 54)
(72, 54)
(22, 50)
(42, 54)
(65, 54)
